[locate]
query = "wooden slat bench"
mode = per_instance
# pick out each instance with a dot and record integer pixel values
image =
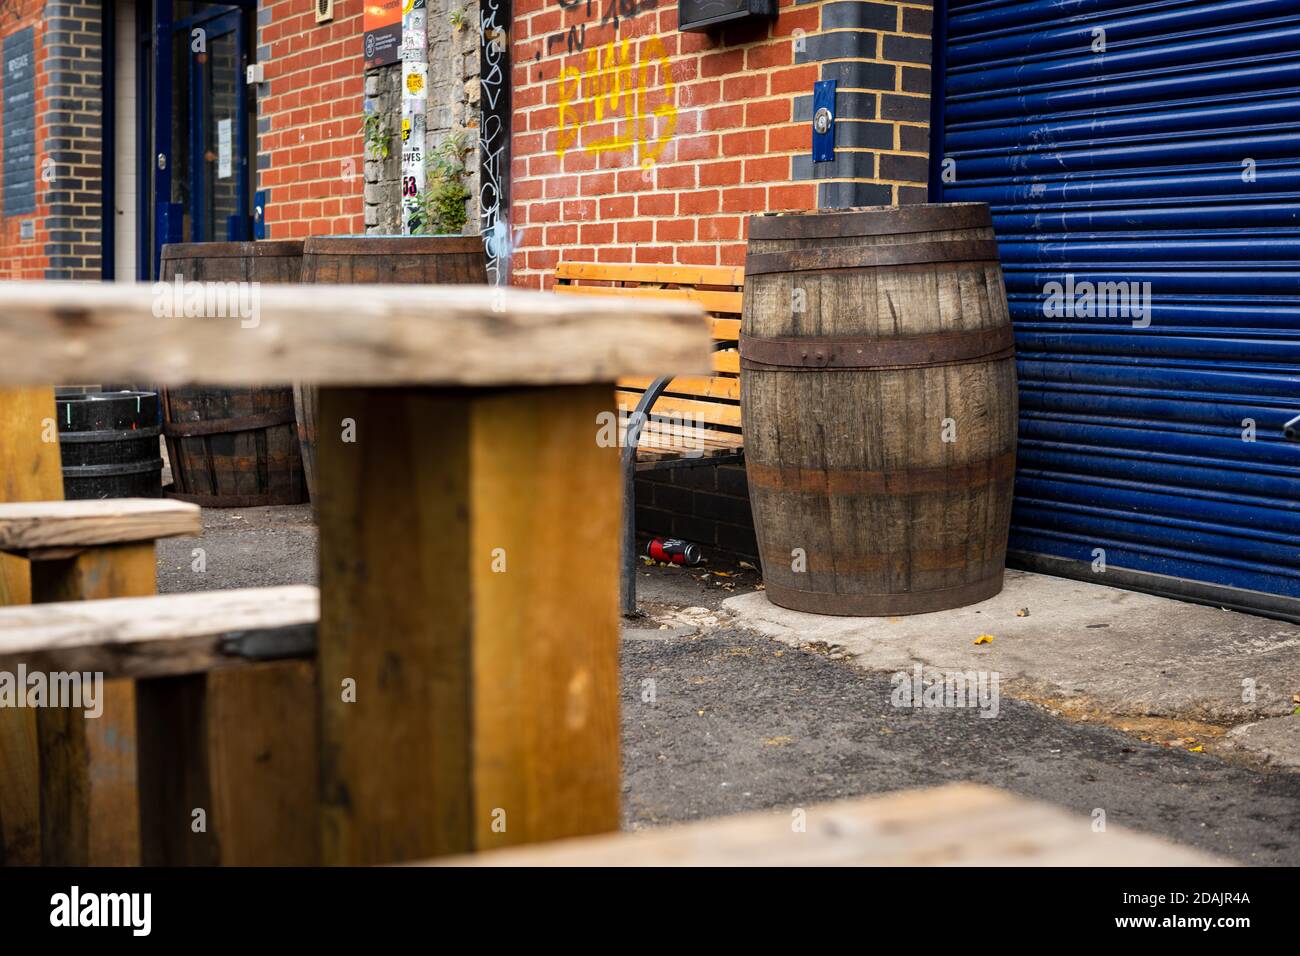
(464, 691)
(955, 825)
(671, 421)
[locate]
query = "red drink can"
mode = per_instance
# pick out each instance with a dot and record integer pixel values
(674, 551)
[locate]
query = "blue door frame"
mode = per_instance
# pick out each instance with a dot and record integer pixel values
(219, 21)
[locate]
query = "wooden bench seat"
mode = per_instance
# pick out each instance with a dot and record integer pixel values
(161, 636)
(672, 421)
(33, 528)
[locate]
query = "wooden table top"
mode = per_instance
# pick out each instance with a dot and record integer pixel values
(246, 334)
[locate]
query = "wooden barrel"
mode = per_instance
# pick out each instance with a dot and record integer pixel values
(878, 389)
(370, 260)
(233, 447)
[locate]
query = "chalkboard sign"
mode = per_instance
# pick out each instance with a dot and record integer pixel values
(703, 14)
(19, 83)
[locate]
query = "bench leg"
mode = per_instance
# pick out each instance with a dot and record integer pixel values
(90, 810)
(627, 537)
(240, 745)
(469, 620)
(29, 471)
(631, 439)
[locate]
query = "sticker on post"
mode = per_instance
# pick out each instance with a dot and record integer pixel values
(224, 152)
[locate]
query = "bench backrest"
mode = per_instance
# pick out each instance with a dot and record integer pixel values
(712, 401)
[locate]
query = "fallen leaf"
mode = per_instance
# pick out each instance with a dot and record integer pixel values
(748, 566)
(778, 741)
(1023, 612)
(1196, 750)
(984, 639)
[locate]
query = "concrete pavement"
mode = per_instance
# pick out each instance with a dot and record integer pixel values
(1162, 669)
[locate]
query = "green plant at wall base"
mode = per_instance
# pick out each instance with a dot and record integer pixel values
(378, 137)
(440, 209)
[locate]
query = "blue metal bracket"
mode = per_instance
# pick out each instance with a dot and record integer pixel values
(823, 122)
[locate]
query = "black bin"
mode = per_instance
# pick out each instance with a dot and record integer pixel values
(108, 442)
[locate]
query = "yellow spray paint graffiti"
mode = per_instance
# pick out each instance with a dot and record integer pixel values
(611, 88)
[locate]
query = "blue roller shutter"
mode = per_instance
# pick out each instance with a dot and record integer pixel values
(1171, 158)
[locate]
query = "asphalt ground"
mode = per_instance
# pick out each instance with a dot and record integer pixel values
(734, 721)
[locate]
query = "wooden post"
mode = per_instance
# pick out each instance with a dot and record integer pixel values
(30, 470)
(469, 620)
(90, 811)
(240, 746)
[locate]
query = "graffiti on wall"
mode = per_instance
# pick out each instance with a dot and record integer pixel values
(612, 13)
(494, 137)
(618, 101)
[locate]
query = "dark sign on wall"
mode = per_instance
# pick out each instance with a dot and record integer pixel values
(19, 84)
(707, 14)
(382, 23)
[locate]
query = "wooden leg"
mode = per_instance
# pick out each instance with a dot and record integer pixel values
(469, 602)
(171, 718)
(90, 811)
(29, 471)
(264, 764)
(239, 745)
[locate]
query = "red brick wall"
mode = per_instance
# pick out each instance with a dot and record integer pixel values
(651, 145)
(309, 112)
(27, 258)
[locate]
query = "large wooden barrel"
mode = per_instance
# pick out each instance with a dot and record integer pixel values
(878, 390)
(370, 260)
(233, 447)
